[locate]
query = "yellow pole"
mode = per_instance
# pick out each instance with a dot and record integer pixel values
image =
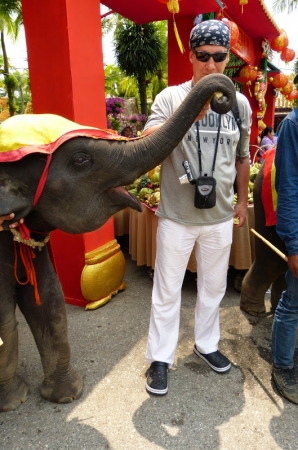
(282, 255)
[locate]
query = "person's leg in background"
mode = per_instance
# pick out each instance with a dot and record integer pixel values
(284, 329)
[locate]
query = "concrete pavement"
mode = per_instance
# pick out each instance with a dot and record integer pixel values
(240, 410)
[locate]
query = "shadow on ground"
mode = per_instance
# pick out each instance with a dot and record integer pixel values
(240, 410)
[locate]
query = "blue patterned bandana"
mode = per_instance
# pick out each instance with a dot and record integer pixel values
(210, 32)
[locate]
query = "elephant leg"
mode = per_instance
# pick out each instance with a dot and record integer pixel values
(61, 384)
(13, 391)
(258, 280)
(267, 266)
(253, 290)
(278, 286)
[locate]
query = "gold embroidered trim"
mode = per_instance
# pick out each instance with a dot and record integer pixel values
(30, 242)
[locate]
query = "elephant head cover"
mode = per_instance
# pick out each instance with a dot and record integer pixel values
(42, 133)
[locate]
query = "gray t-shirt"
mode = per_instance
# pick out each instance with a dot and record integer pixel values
(176, 199)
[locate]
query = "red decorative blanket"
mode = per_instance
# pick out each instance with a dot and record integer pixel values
(269, 194)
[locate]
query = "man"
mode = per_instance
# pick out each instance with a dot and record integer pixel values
(183, 226)
(286, 314)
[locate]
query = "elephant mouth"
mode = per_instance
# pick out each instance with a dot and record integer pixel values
(121, 199)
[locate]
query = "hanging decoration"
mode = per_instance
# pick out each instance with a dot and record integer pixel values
(279, 81)
(265, 48)
(242, 3)
(260, 90)
(173, 7)
(234, 31)
(292, 95)
(247, 75)
(287, 89)
(287, 55)
(280, 42)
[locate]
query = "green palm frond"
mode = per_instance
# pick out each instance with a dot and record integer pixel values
(285, 5)
(137, 48)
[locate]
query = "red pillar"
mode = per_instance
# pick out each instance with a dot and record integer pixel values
(64, 44)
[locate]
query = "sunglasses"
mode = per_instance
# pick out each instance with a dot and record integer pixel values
(205, 56)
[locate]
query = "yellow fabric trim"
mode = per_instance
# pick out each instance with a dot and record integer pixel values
(273, 190)
(34, 129)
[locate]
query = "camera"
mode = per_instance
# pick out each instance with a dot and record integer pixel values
(188, 172)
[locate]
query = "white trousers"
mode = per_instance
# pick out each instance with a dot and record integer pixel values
(174, 244)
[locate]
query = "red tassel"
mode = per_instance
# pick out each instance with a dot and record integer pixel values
(27, 255)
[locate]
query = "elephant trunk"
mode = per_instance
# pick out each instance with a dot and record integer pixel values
(142, 155)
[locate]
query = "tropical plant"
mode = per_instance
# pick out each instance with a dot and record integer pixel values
(10, 22)
(159, 79)
(22, 94)
(117, 84)
(9, 6)
(138, 52)
(283, 5)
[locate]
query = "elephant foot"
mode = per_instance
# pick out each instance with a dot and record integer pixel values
(13, 395)
(62, 388)
(253, 309)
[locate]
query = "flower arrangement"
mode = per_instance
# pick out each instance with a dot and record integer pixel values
(114, 109)
(138, 120)
(116, 119)
(115, 106)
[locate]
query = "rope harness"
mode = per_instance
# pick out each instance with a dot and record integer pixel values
(27, 245)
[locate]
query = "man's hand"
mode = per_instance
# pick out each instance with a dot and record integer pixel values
(293, 264)
(9, 217)
(240, 211)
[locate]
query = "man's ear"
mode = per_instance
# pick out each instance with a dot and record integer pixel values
(191, 55)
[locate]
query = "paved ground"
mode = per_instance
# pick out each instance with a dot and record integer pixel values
(240, 410)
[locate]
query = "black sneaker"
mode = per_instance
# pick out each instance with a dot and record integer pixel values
(216, 360)
(286, 383)
(157, 382)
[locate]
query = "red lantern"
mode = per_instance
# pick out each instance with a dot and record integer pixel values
(279, 80)
(247, 75)
(292, 95)
(287, 89)
(287, 55)
(234, 31)
(280, 42)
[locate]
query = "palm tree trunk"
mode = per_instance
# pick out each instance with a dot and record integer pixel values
(6, 76)
(143, 94)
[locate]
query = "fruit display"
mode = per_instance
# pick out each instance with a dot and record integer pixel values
(253, 172)
(146, 188)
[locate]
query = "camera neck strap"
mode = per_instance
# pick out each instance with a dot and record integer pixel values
(215, 150)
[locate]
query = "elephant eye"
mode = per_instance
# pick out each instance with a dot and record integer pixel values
(82, 160)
